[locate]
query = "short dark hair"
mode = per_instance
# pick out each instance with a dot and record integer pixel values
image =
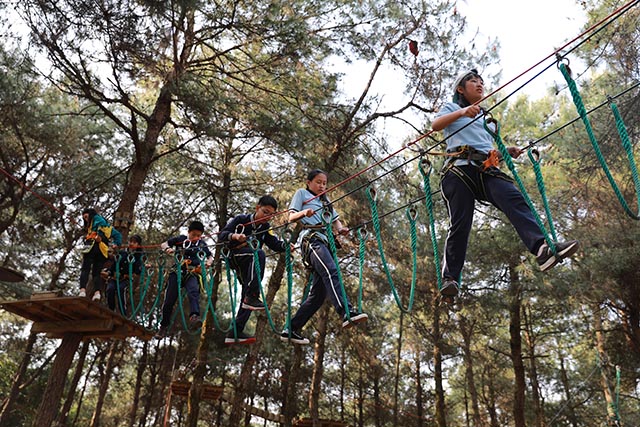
(315, 172)
(136, 238)
(268, 200)
(196, 225)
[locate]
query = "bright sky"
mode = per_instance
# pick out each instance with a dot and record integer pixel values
(527, 31)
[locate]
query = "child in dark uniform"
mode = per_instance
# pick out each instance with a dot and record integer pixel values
(308, 206)
(236, 234)
(190, 247)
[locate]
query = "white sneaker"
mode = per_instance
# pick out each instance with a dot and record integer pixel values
(96, 296)
(82, 293)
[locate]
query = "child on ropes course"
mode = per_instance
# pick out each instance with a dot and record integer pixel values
(100, 236)
(236, 235)
(190, 249)
(471, 173)
(310, 205)
(117, 286)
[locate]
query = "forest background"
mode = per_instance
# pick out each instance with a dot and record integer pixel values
(168, 111)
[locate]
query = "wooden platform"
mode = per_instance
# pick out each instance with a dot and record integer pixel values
(56, 316)
(209, 392)
(308, 422)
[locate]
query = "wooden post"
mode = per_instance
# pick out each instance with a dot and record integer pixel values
(48, 409)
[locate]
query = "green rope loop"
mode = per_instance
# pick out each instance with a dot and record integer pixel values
(288, 259)
(507, 159)
(253, 244)
(327, 219)
(412, 225)
(577, 100)
(534, 157)
(426, 168)
(362, 237)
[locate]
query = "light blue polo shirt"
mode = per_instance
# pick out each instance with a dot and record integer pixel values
(301, 202)
(474, 135)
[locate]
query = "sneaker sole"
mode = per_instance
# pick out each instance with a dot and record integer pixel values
(239, 341)
(551, 262)
(570, 250)
(555, 259)
(252, 308)
(360, 318)
(294, 340)
(450, 291)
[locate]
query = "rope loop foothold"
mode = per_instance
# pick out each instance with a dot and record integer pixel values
(253, 243)
(362, 232)
(326, 216)
(373, 193)
(286, 235)
(560, 59)
(534, 155)
(425, 164)
(240, 229)
(225, 251)
(412, 212)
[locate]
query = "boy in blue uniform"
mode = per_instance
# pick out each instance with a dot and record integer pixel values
(115, 287)
(98, 240)
(470, 174)
(236, 234)
(190, 247)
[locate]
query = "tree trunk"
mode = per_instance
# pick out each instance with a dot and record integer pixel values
(62, 418)
(318, 364)
(245, 385)
(491, 397)
(114, 347)
(612, 413)
(55, 385)
(466, 330)
(151, 388)
(290, 408)
(138, 385)
(419, 391)
(377, 399)
(18, 379)
(571, 413)
(441, 419)
(515, 305)
(533, 369)
(396, 379)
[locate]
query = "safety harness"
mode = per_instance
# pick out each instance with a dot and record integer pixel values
(487, 163)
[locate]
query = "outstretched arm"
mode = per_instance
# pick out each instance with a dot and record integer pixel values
(446, 119)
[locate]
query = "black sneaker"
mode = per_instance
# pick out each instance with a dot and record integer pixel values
(450, 287)
(547, 259)
(296, 338)
(195, 322)
(240, 338)
(353, 319)
(252, 303)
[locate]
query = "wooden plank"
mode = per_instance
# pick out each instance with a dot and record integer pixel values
(58, 315)
(93, 325)
(308, 422)
(209, 392)
(46, 295)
